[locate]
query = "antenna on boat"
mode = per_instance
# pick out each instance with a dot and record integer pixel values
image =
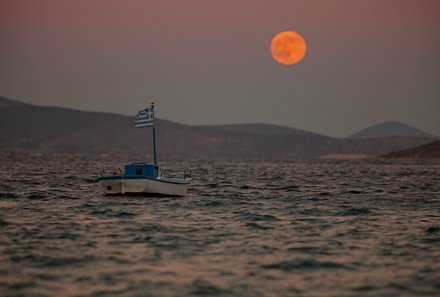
(154, 134)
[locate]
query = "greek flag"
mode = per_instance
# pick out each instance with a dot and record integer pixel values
(144, 118)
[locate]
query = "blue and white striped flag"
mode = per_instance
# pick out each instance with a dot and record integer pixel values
(144, 118)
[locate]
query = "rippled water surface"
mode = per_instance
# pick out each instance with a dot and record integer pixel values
(247, 228)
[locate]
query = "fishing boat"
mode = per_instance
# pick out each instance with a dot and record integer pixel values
(145, 179)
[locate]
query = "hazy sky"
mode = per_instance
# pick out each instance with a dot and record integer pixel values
(208, 62)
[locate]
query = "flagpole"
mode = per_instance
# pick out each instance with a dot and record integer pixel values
(154, 134)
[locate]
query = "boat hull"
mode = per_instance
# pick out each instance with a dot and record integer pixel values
(119, 186)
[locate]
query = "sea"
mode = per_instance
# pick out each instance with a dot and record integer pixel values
(246, 228)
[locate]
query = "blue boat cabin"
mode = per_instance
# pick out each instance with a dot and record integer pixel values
(141, 170)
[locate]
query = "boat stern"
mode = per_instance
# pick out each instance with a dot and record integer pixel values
(111, 185)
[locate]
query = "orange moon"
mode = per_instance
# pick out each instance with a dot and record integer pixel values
(288, 47)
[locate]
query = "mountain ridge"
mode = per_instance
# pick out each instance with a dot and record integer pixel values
(260, 129)
(426, 151)
(389, 129)
(5, 102)
(62, 130)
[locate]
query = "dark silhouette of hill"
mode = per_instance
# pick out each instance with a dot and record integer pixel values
(260, 129)
(390, 129)
(4, 102)
(426, 151)
(61, 130)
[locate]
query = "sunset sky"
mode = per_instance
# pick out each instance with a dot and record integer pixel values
(209, 62)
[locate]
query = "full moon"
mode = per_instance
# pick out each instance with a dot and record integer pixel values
(288, 47)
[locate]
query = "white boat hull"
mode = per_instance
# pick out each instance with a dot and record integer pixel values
(117, 185)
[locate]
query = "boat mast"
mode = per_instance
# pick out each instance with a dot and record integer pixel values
(154, 134)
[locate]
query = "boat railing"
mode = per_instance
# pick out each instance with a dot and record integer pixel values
(174, 173)
(113, 172)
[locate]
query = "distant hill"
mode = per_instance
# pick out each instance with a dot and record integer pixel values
(389, 129)
(25, 127)
(4, 102)
(427, 151)
(260, 129)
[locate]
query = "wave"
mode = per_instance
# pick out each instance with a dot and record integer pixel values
(305, 264)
